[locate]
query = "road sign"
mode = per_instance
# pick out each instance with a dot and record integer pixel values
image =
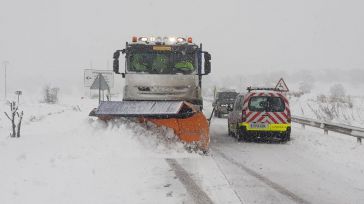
(91, 74)
(100, 83)
(282, 86)
(18, 93)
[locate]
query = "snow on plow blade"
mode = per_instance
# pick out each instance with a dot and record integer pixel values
(188, 123)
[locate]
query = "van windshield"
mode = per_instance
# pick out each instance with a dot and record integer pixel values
(266, 103)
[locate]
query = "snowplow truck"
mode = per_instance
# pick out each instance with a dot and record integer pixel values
(163, 78)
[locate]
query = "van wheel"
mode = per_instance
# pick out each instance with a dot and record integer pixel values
(219, 115)
(286, 137)
(238, 134)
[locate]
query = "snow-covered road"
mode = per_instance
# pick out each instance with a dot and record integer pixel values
(64, 156)
(312, 168)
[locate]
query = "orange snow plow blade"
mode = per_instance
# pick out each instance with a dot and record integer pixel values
(192, 129)
(188, 123)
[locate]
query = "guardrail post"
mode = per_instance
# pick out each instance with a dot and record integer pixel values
(358, 139)
(323, 126)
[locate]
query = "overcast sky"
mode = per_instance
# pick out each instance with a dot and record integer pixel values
(53, 41)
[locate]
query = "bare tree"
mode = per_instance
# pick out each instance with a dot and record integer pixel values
(337, 91)
(50, 94)
(13, 113)
(20, 116)
(338, 95)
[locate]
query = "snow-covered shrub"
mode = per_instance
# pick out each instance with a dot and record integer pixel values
(337, 92)
(337, 106)
(296, 94)
(305, 87)
(322, 98)
(50, 94)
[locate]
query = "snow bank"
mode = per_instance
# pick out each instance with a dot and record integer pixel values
(63, 156)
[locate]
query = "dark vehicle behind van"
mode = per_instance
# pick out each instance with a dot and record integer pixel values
(223, 101)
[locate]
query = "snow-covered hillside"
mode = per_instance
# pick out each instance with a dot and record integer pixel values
(349, 111)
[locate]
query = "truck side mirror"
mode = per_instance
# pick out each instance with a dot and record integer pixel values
(116, 54)
(116, 66)
(116, 62)
(207, 66)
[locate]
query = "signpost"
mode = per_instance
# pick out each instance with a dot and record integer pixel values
(100, 84)
(282, 86)
(91, 74)
(18, 93)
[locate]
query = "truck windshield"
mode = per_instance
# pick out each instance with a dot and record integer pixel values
(162, 63)
(266, 103)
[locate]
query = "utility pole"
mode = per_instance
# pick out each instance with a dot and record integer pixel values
(5, 64)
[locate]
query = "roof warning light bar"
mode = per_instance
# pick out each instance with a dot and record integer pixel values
(161, 40)
(260, 88)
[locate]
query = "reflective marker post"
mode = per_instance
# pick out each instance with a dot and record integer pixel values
(99, 77)
(18, 93)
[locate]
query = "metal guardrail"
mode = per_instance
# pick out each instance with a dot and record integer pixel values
(327, 126)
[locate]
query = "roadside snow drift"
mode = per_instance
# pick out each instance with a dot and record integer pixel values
(63, 156)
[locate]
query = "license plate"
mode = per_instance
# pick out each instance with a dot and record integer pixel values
(259, 125)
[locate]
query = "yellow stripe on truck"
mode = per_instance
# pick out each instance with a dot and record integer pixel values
(271, 127)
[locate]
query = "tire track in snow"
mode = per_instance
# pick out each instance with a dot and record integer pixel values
(197, 194)
(280, 189)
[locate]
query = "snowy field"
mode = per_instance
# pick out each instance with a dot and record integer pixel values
(64, 156)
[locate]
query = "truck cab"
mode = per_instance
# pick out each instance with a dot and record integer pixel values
(163, 69)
